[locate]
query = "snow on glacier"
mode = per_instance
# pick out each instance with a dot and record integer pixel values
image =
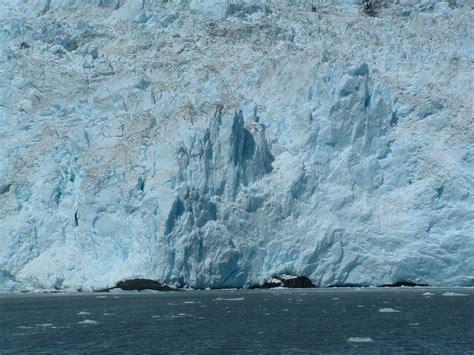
(219, 143)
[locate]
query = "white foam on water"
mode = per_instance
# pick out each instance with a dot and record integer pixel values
(285, 309)
(108, 314)
(336, 298)
(360, 339)
(454, 294)
(101, 296)
(88, 321)
(388, 310)
(360, 306)
(428, 294)
(155, 316)
(24, 327)
(189, 302)
(83, 313)
(413, 324)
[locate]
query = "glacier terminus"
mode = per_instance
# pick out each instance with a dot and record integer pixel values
(221, 144)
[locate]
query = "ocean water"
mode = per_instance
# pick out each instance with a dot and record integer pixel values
(416, 320)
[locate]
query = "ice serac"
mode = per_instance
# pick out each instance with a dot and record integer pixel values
(225, 143)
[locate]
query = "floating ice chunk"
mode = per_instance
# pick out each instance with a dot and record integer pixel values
(454, 294)
(44, 325)
(108, 314)
(428, 294)
(88, 321)
(189, 302)
(360, 339)
(82, 313)
(229, 299)
(388, 310)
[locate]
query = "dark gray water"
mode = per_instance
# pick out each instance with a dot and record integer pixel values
(317, 320)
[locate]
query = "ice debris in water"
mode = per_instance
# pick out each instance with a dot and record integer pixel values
(454, 294)
(88, 321)
(428, 294)
(360, 339)
(44, 325)
(388, 310)
(229, 299)
(83, 313)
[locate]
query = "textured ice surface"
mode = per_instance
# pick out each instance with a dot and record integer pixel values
(220, 143)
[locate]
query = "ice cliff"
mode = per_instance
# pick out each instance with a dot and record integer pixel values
(221, 143)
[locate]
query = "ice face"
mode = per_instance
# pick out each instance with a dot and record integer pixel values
(219, 144)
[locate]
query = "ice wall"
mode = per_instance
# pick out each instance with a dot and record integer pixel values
(213, 143)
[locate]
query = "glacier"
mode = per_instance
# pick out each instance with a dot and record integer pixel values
(221, 143)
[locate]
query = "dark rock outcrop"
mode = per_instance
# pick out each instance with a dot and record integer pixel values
(141, 284)
(404, 284)
(286, 281)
